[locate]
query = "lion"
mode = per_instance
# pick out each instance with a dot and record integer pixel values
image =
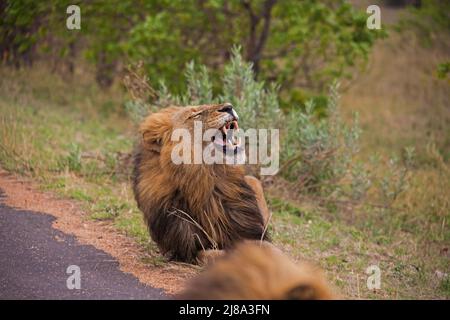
(258, 271)
(195, 210)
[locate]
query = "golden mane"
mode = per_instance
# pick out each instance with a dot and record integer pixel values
(193, 207)
(258, 271)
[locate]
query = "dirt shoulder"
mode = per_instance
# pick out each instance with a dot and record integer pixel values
(23, 194)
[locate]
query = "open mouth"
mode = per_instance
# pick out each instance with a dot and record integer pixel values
(225, 137)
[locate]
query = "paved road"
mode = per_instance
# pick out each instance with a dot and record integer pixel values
(34, 259)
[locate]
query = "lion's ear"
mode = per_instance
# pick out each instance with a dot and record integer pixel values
(154, 129)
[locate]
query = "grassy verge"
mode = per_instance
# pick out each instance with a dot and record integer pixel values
(72, 138)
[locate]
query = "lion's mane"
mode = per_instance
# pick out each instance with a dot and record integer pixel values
(190, 207)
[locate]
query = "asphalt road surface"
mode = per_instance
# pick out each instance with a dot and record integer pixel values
(34, 259)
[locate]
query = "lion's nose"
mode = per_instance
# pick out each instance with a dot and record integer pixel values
(228, 108)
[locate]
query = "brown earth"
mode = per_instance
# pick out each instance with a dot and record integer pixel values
(23, 194)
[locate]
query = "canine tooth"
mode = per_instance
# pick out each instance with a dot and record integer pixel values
(235, 114)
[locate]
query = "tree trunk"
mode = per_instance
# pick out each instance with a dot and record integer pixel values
(257, 38)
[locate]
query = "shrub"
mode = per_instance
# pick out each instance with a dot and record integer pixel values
(318, 149)
(296, 43)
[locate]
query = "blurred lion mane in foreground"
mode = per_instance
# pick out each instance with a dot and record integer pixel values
(258, 271)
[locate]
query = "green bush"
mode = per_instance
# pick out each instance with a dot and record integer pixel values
(318, 149)
(258, 107)
(295, 43)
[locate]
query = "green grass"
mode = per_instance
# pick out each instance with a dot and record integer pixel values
(70, 137)
(346, 250)
(445, 286)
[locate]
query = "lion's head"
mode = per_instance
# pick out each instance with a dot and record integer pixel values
(190, 207)
(219, 120)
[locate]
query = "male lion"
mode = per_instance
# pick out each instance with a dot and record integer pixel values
(191, 208)
(258, 271)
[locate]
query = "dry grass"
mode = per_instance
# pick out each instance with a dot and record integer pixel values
(400, 99)
(401, 103)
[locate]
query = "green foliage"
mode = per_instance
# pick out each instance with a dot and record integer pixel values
(73, 160)
(294, 43)
(318, 152)
(258, 107)
(20, 28)
(160, 43)
(445, 285)
(429, 21)
(443, 70)
(395, 179)
(308, 43)
(136, 110)
(108, 209)
(199, 86)
(315, 42)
